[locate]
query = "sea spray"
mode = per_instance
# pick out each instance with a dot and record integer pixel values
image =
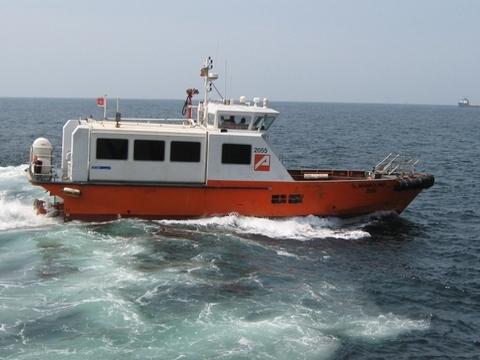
(295, 228)
(16, 200)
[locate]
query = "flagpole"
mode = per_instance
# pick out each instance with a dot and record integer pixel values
(105, 108)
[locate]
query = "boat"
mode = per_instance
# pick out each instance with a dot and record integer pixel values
(217, 160)
(465, 102)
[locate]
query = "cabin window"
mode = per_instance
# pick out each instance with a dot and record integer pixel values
(241, 122)
(263, 122)
(149, 150)
(236, 154)
(112, 149)
(185, 151)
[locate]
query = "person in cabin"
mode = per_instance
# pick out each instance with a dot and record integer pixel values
(227, 123)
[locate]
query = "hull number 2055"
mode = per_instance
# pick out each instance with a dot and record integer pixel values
(260, 150)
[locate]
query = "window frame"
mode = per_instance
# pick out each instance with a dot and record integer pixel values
(173, 153)
(231, 162)
(233, 121)
(124, 156)
(263, 122)
(162, 152)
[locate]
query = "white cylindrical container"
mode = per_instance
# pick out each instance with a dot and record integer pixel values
(41, 157)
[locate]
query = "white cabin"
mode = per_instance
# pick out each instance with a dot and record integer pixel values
(229, 143)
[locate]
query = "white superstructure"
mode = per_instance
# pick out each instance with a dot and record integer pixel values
(231, 145)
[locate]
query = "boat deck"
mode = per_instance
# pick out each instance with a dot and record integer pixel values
(322, 174)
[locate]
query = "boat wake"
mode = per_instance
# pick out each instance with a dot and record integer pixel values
(297, 228)
(17, 215)
(16, 198)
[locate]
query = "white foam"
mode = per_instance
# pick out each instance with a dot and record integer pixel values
(206, 312)
(287, 254)
(280, 337)
(16, 215)
(149, 294)
(13, 180)
(12, 172)
(16, 199)
(245, 342)
(298, 228)
(384, 326)
(291, 333)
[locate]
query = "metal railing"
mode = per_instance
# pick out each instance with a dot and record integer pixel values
(147, 120)
(41, 171)
(396, 164)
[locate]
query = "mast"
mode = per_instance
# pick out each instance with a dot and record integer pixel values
(105, 108)
(209, 77)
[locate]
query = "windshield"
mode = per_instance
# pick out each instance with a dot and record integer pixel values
(228, 121)
(263, 122)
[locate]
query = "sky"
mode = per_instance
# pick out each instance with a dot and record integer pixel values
(364, 51)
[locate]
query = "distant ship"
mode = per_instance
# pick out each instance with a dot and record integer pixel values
(466, 103)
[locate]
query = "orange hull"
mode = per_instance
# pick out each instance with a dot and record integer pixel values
(250, 198)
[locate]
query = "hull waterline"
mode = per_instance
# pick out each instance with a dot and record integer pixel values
(264, 199)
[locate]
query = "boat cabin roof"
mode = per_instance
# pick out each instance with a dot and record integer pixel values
(131, 127)
(216, 107)
(226, 116)
(222, 117)
(141, 127)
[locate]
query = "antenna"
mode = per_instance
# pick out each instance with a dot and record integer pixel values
(225, 90)
(209, 78)
(118, 116)
(204, 72)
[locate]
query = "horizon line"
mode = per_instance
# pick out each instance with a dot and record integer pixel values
(270, 100)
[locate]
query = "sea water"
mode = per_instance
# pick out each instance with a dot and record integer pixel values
(235, 287)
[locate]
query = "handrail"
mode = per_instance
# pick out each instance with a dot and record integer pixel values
(145, 119)
(396, 164)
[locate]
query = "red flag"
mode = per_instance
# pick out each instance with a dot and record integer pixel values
(101, 102)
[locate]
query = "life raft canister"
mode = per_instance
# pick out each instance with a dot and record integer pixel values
(41, 157)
